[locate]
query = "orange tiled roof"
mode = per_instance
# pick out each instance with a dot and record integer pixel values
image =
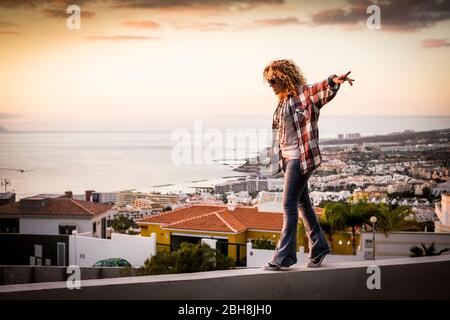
(207, 222)
(254, 219)
(232, 221)
(57, 207)
(217, 218)
(178, 214)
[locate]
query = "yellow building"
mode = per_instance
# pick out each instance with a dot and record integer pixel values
(232, 227)
(443, 212)
(342, 243)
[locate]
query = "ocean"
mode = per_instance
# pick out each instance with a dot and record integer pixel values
(54, 162)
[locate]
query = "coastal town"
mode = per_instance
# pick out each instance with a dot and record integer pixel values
(401, 178)
(408, 168)
(173, 151)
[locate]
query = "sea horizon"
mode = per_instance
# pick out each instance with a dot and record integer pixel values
(328, 124)
(113, 160)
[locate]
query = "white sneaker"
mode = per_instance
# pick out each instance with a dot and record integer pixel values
(315, 264)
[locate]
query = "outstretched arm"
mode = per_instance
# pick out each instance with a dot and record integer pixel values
(343, 78)
(322, 92)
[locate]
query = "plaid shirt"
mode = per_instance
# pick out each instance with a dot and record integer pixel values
(303, 110)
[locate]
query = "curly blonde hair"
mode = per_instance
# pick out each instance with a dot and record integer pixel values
(289, 73)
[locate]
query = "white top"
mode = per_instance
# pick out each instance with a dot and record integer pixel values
(289, 149)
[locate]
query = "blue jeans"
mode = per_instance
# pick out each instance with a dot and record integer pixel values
(295, 195)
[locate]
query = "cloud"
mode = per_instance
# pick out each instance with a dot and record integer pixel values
(275, 22)
(144, 24)
(61, 13)
(435, 43)
(193, 4)
(9, 32)
(4, 115)
(208, 26)
(121, 38)
(203, 7)
(398, 15)
(222, 26)
(39, 3)
(146, 4)
(20, 3)
(8, 24)
(50, 8)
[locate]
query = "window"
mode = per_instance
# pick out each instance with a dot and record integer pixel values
(108, 263)
(123, 263)
(67, 229)
(94, 227)
(8, 225)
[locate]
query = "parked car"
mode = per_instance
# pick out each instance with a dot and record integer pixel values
(112, 262)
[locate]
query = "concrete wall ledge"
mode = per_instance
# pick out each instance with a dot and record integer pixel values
(406, 278)
(19, 274)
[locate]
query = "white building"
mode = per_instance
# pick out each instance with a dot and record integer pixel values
(275, 184)
(352, 135)
(443, 213)
(54, 215)
(441, 188)
(273, 202)
(130, 212)
(104, 197)
(319, 196)
(143, 203)
(350, 169)
(270, 201)
(243, 197)
(399, 187)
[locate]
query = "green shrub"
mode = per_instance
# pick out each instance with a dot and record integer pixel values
(263, 243)
(189, 258)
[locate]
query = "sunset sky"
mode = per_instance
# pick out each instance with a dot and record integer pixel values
(134, 62)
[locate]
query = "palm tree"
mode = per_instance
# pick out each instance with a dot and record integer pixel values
(332, 219)
(346, 216)
(394, 220)
(358, 214)
(121, 224)
(417, 251)
(353, 215)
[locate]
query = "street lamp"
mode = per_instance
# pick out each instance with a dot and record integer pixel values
(373, 220)
(74, 233)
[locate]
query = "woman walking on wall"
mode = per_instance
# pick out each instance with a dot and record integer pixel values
(295, 121)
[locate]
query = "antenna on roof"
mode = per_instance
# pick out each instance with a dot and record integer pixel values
(6, 182)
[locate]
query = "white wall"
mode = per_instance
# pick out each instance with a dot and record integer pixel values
(51, 226)
(98, 219)
(133, 248)
(397, 244)
(260, 257)
(275, 184)
(44, 225)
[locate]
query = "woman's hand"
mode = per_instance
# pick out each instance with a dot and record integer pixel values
(343, 78)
